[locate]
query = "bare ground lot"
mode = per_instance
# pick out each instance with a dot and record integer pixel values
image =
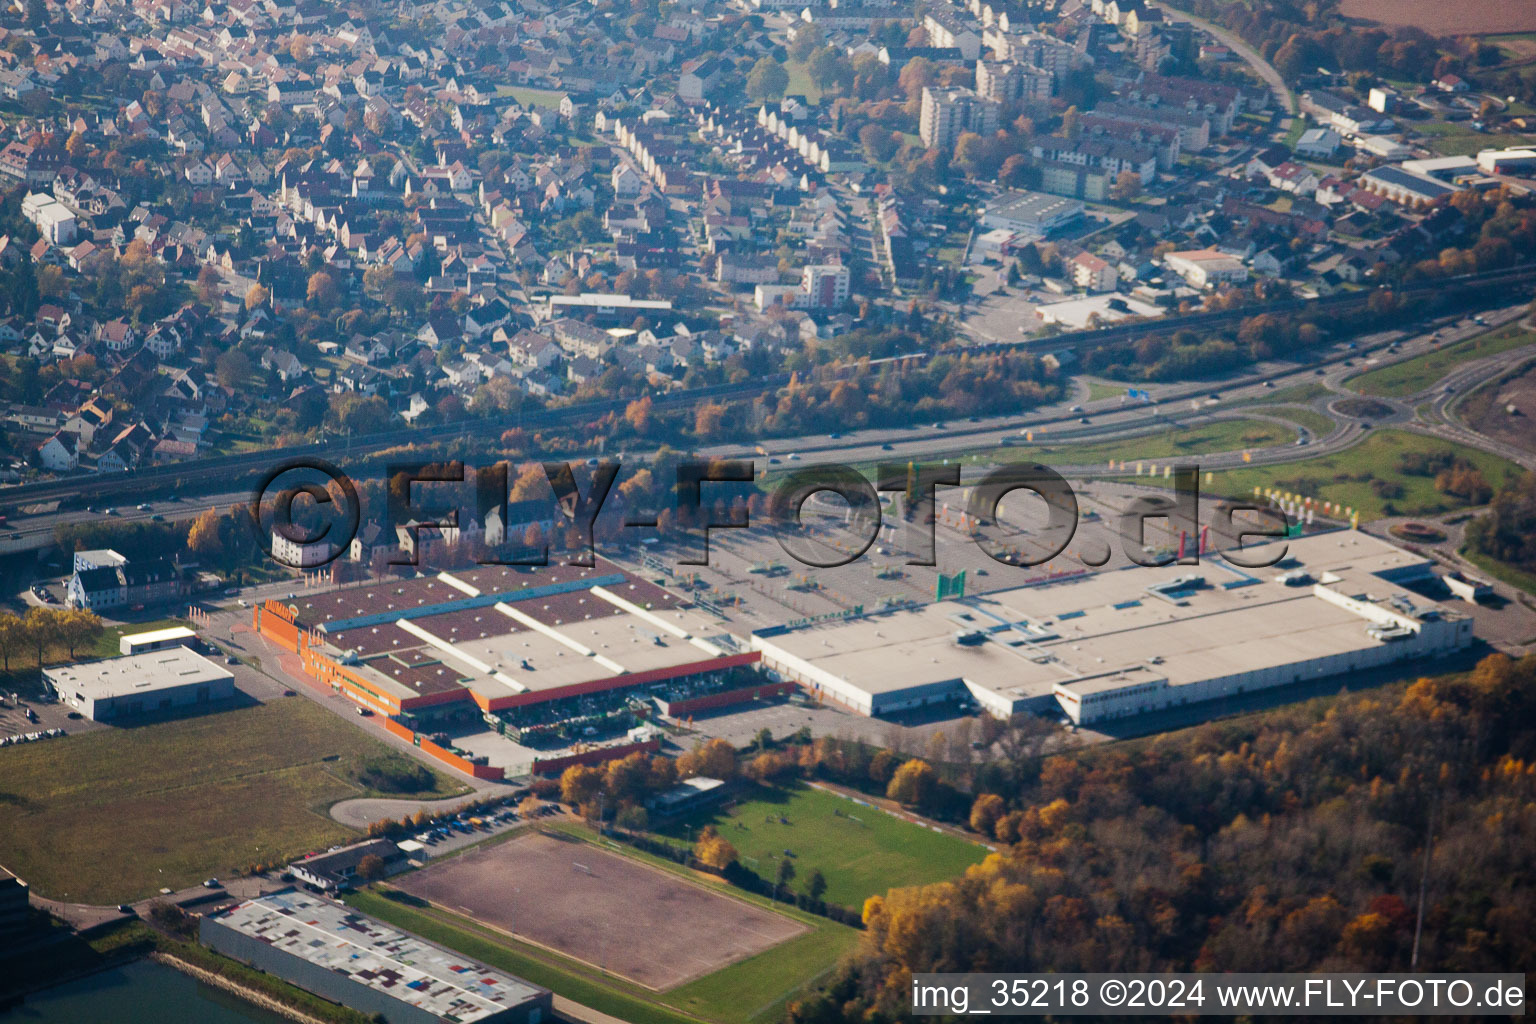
(1440, 18)
(620, 915)
(1487, 410)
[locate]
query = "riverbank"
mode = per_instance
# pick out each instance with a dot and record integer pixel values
(250, 995)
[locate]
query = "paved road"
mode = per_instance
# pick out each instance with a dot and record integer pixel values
(1231, 41)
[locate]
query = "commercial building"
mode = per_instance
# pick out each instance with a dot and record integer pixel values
(335, 870)
(1033, 215)
(348, 958)
(156, 640)
(1519, 162)
(141, 684)
(1405, 187)
(1206, 268)
(949, 113)
(1103, 646)
(533, 655)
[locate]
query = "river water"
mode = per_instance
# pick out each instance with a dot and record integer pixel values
(142, 992)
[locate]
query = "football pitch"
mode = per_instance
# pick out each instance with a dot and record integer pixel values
(860, 850)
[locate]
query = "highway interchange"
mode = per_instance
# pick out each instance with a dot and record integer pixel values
(1078, 419)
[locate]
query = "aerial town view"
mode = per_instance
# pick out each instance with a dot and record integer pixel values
(748, 512)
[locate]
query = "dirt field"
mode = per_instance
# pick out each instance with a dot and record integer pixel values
(618, 914)
(1487, 413)
(1440, 18)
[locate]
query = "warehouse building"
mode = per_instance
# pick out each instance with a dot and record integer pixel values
(156, 640)
(335, 952)
(141, 684)
(1110, 645)
(525, 653)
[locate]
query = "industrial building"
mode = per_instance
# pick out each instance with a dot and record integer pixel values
(1110, 645)
(348, 958)
(537, 656)
(141, 684)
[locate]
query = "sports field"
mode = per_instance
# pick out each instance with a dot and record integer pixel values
(612, 912)
(115, 814)
(860, 850)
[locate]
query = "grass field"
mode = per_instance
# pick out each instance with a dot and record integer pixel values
(531, 97)
(1347, 476)
(1299, 394)
(1098, 390)
(752, 991)
(861, 850)
(1221, 436)
(1459, 139)
(106, 644)
(1525, 581)
(1316, 422)
(115, 814)
(1416, 374)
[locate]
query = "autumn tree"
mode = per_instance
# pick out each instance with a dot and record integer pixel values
(321, 294)
(913, 784)
(12, 638)
(256, 295)
(580, 783)
(985, 812)
(371, 867)
(712, 849)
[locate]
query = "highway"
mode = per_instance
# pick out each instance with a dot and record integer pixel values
(1177, 406)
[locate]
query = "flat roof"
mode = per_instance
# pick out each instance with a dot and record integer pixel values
(155, 636)
(137, 673)
(501, 631)
(1108, 629)
(368, 952)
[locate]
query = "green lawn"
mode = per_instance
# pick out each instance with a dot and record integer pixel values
(1460, 139)
(106, 646)
(800, 83)
(1316, 422)
(1221, 436)
(1098, 390)
(1299, 394)
(115, 814)
(1526, 581)
(1348, 476)
(1414, 375)
(861, 850)
(531, 97)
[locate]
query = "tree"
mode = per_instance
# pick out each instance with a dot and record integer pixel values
(913, 784)
(580, 783)
(985, 812)
(785, 876)
(807, 39)
(41, 627)
(256, 296)
(816, 884)
(768, 80)
(12, 638)
(78, 627)
(233, 369)
(529, 806)
(712, 850)
(633, 819)
(208, 281)
(371, 867)
(321, 294)
(37, 13)
(1127, 186)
